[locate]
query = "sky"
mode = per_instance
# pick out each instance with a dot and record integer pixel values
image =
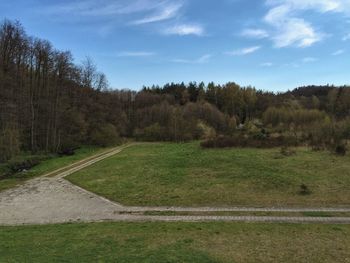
(272, 45)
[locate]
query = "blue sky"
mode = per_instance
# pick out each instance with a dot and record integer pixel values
(270, 44)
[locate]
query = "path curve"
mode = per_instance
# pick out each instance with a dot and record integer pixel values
(51, 199)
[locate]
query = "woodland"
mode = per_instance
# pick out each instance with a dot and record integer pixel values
(50, 104)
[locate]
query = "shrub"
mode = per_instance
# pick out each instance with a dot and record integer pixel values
(154, 132)
(105, 136)
(20, 164)
(244, 141)
(260, 135)
(251, 128)
(287, 151)
(205, 131)
(288, 115)
(67, 151)
(340, 150)
(304, 190)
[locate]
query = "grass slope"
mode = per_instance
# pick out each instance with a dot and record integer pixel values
(48, 166)
(175, 242)
(185, 174)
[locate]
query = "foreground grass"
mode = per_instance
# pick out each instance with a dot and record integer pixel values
(48, 166)
(175, 242)
(185, 174)
(227, 213)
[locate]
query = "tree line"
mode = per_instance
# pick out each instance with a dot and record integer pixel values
(50, 104)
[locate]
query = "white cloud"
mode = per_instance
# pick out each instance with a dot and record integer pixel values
(151, 10)
(297, 32)
(292, 64)
(289, 30)
(255, 33)
(164, 13)
(101, 8)
(309, 59)
(185, 29)
(135, 54)
(203, 59)
(319, 5)
(277, 14)
(338, 52)
(346, 37)
(266, 64)
(244, 51)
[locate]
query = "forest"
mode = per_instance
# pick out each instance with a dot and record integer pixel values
(50, 104)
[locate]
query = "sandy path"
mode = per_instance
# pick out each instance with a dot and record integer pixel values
(51, 199)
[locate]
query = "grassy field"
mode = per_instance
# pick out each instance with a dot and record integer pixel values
(175, 242)
(228, 213)
(48, 166)
(185, 174)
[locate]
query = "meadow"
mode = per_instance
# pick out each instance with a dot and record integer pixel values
(175, 242)
(168, 174)
(50, 164)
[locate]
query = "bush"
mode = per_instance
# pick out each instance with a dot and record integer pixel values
(154, 133)
(304, 190)
(244, 141)
(67, 151)
(205, 131)
(287, 151)
(20, 164)
(340, 150)
(105, 136)
(260, 135)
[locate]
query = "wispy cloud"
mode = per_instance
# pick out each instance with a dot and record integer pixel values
(309, 59)
(103, 16)
(203, 59)
(338, 52)
(297, 32)
(289, 30)
(243, 51)
(346, 37)
(135, 54)
(322, 6)
(255, 33)
(292, 65)
(164, 12)
(185, 29)
(266, 64)
(150, 11)
(100, 8)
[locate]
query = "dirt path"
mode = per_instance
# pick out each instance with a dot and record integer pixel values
(51, 199)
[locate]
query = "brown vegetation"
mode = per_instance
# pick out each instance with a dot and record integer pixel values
(49, 104)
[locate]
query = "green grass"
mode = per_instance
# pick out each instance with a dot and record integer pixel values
(48, 166)
(175, 242)
(228, 213)
(185, 174)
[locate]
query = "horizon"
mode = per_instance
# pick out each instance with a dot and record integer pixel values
(271, 45)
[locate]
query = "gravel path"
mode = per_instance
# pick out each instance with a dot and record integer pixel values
(51, 199)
